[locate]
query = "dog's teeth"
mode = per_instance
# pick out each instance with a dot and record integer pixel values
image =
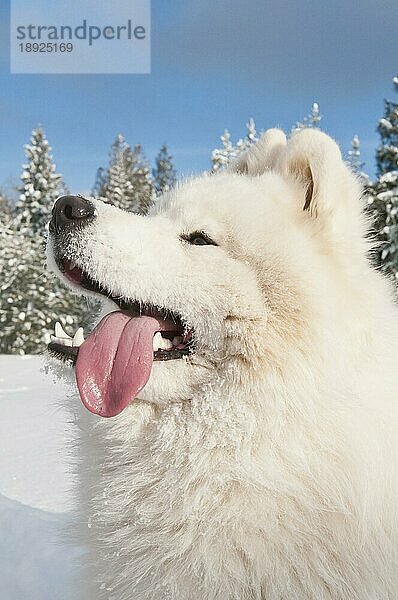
(177, 340)
(166, 344)
(62, 341)
(78, 338)
(71, 266)
(160, 343)
(157, 341)
(60, 333)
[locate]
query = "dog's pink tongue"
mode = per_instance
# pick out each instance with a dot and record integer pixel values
(114, 363)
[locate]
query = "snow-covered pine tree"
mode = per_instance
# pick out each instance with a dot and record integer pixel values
(99, 183)
(112, 184)
(126, 183)
(250, 138)
(141, 180)
(5, 209)
(220, 157)
(31, 298)
(384, 192)
(164, 173)
(311, 121)
(387, 152)
(354, 155)
(355, 163)
(41, 184)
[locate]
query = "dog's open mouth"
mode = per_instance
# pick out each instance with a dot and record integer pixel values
(114, 362)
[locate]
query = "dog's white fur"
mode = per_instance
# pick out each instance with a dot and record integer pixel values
(265, 466)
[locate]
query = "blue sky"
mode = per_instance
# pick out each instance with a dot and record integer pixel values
(214, 65)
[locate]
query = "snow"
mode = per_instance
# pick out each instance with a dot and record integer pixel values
(390, 177)
(220, 157)
(385, 196)
(385, 123)
(37, 558)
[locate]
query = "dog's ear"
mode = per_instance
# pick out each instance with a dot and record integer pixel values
(314, 160)
(263, 155)
(329, 191)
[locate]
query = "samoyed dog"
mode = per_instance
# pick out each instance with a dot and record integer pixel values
(248, 358)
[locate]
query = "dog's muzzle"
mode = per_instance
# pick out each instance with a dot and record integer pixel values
(70, 212)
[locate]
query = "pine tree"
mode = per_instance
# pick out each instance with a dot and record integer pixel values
(311, 121)
(355, 163)
(142, 184)
(354, 155)
(5, 209)
(220, 157)
(113, 184)
(384, 192)
(250, 138)
(387, 152)
(31, 298)
(164, 174)
(126, 183)
(41, 184)
(99, 183)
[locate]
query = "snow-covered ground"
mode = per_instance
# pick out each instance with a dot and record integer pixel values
(37, 561)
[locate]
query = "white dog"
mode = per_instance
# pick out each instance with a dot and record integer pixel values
(251, 367)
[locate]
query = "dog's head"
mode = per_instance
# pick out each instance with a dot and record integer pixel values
(225, 272)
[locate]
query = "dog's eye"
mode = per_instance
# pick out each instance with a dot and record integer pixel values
(199, 238)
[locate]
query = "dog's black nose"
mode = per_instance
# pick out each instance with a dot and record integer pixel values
(71, 211)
